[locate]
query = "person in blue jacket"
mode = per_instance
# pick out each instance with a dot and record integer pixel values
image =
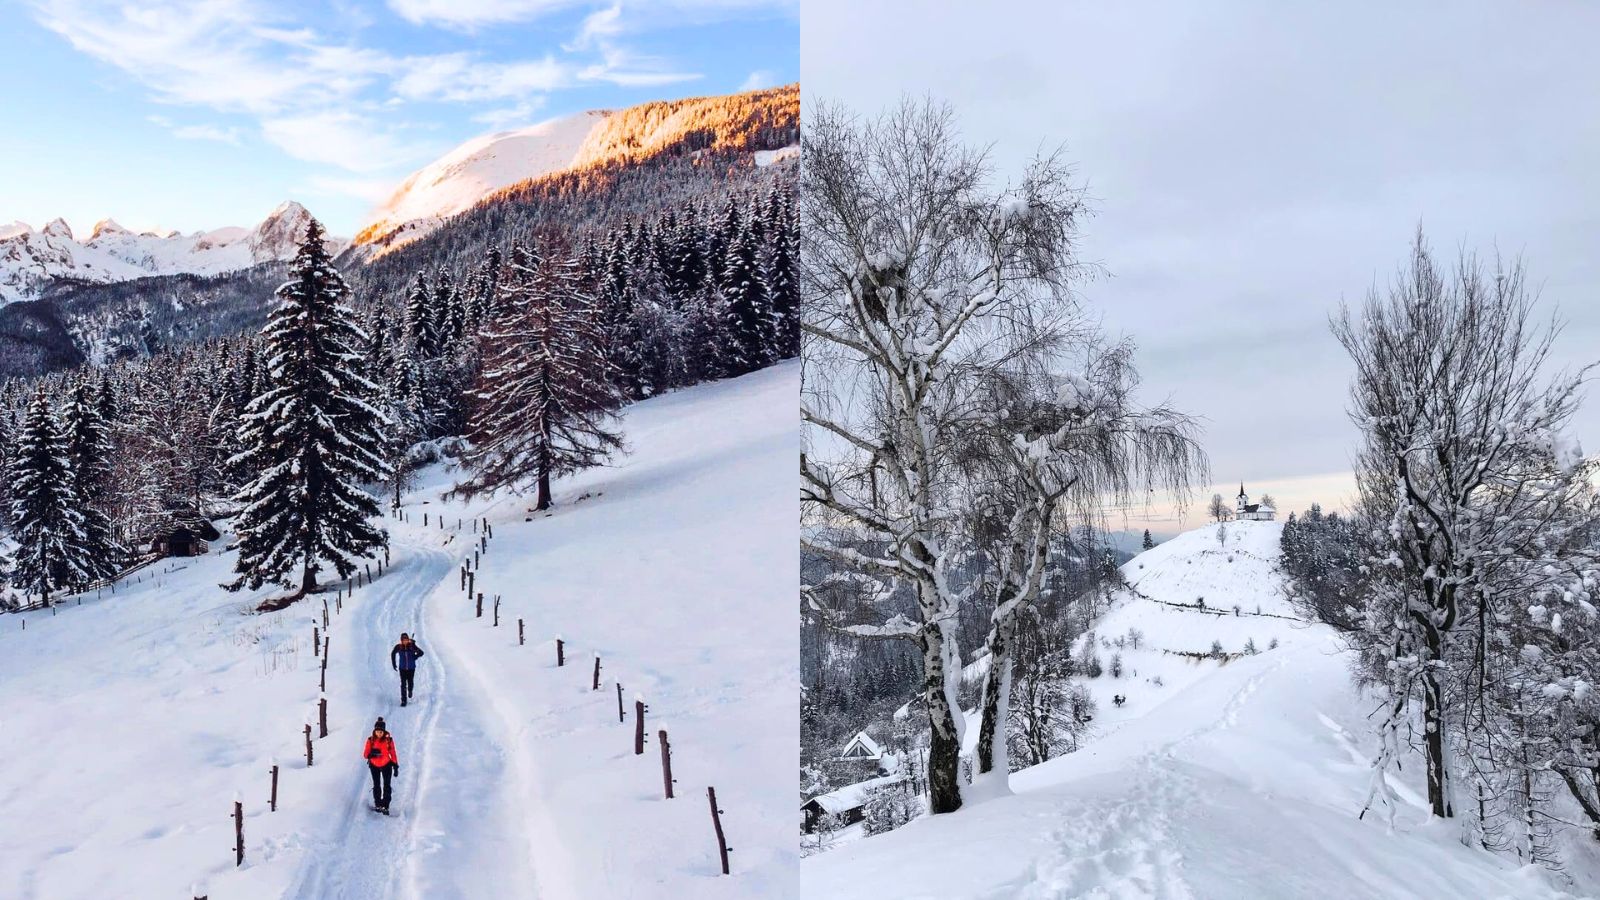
(403, 659)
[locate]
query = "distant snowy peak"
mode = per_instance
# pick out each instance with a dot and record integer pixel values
(765, 123)
(476, 169)
(31, 261)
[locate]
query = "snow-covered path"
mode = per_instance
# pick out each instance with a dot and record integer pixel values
(450, 811)
(1239, 779)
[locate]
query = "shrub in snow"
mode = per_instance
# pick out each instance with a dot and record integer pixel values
(888, 808)
(1250, 647)
(1116, 665)
(1216, 649)
(1272, 644)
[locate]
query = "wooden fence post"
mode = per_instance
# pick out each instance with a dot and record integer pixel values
(238, 831)
(621, 716)
(497, 610)
(369, 573)
(666, 763)
(322, 682)
(596, 686)
(316, 641)
(716, 822)
(561, 652)
(272, 801)
(424, 519)
(638, 725)
(519, 632)
(308, 745)
(324, 612)
(480, 604)
(488, 528)
(322, 716)
(472, 582)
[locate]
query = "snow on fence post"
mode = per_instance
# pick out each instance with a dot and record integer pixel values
(197, 890)
(272, 800)
(308, 745)
(621, 716)
(322, 716)
(716, 822)
(666, 762)
(238, 830)
(596, 685)
(520, 640)
(638, 724)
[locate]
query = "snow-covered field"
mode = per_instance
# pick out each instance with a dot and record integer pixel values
(1235, 779)
(131, 721)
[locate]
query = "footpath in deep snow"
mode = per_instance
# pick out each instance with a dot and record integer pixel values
(132, 721)
(1233, 778)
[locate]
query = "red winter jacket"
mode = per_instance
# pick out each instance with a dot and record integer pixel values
(379, 752)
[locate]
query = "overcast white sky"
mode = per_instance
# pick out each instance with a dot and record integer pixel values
(1255, 163)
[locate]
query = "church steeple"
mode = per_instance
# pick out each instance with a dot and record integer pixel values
(1241, 489)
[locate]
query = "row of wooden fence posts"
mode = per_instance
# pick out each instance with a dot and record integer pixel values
(469, 584)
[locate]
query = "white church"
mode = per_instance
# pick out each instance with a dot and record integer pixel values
(1252, 512)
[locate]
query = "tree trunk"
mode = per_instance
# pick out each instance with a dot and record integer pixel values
(544, 490)
(308, 579)
(996, 703)
(944, 749)
(1433, 727)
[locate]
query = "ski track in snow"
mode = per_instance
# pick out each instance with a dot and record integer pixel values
(365, 851)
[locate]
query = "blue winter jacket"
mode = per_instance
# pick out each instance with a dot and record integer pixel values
(405, 657)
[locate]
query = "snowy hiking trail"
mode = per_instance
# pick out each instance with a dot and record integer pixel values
(1239, 777)
(450, 808)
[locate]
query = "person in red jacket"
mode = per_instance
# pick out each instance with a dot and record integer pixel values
(382, 762)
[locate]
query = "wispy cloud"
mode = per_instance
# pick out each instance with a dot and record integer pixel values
(473, 14)
(760, 78)
(319, 97)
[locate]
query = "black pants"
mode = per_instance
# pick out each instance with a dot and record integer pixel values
(408, 684)
(380, 785)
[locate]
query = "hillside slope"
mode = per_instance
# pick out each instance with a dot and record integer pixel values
(1238, 776)
(130, 721)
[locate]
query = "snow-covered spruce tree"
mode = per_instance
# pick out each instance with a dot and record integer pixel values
(916, 275)
(47, 521)
(1462, 470)
(421, 323)
(778, 276)
(316, 437)
(546, 402)
(749, 310)
(89, 457)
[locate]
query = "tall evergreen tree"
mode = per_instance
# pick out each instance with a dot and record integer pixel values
(546, 397)
(89, 457)
(750, 315)
(316, 436)
(46, 511)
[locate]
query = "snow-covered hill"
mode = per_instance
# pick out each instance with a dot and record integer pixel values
(486, 165)
(129, 722)
(30, 260)
(1229, 775)
(474, 170)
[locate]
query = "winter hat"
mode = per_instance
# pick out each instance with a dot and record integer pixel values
(404, 636)
(378, 725)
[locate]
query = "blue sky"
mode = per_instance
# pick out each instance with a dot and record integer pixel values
(194, 114)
